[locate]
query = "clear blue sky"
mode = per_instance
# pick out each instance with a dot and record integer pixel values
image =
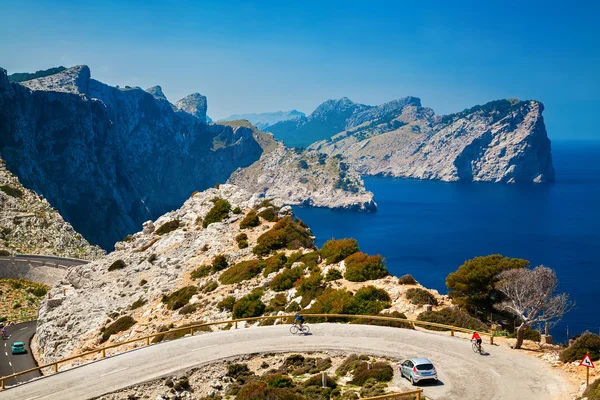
(279, 55)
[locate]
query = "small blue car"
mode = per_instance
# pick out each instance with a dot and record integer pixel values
(18, 348)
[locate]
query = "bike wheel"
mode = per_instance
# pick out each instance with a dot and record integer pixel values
(480, 350)
(293, 329)
(474, 347)
(305, 329)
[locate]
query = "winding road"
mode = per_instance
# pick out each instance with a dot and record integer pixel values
(12, 363)
(502, 374)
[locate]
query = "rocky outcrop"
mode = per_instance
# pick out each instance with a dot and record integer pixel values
(264, 120)
(503, 141)
(111, 158)
(194, 104)
(29, 225)
(159, 261)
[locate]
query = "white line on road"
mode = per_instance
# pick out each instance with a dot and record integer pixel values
(23, 328)
(114, 372)
(6, 354)
(9, 363)
(205, 347)
(34, 397)
(494, 372)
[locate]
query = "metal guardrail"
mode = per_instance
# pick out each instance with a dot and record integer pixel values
(234, 322)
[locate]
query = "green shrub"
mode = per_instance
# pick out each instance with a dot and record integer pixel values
(237, 210)
(119, 264)
(369, 301)
(303, 164)
(168, 227)
(188, 309)
(372, 388)
(309, 288)
(250, 220)
(143, 282)
(586, 343)
(334, 251)
(241, 271)
(180, 297)
(217, 213)
(361, 267)
(279, 381)
(592, 392)
(38, 291)
(274, 263)
(138, 303)
(11, 191)
(266, 203)
(258, 390)
(269, 214)
(128, 238)
(451, 316)
(285, 279)
(378, 322)
(285, 234)
(120, 325)
(333, 275)
(242, 244)
(209, 287)
(240, 237)
(407, 280)
(219, 263)
(317, 380)
(4, 253)
(226, 304)
(235, 370)
(348, 365)
(332, 301)
(380, 371)
(529, 334)
(201, 272)
(249, 306)
(277, 303)
(293, 307)
(420, 297)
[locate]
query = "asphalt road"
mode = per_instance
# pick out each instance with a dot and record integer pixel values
(49, 260)
(502, 374)
(12, 363)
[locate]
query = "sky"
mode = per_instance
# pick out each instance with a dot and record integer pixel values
(262, 56)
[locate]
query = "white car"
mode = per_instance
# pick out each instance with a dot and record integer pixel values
(418, 369)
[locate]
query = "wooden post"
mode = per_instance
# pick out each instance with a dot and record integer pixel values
(324, 379)
(451, 332)
(419, 395)
(147, 341)
(3, 387)
(55, 367)
(492, 339)
(587, 377)
(103, 352)
(235, 324)
(191, 331)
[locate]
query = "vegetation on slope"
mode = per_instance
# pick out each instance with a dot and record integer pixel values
(20, 299)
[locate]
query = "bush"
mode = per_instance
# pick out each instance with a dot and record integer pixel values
(250, 220)
(379, 322)
(309, 288)
(369, 301)
(269, 214)
(279, 381)
(317, 380)
(249, 306)
(407, 280)
(217, 213)
(209, 287)
(38, 291)
(277, 303)
(219, 263)
(529, 334)
(274, 263)
(143, 282)
(593, 391)
(226, 304)
(285, 280)
(4, 253)
(241, 271)
(235, 370)
(119, 264)
(11, 191)
(333, 275)
(120, 325)
(586, 343)
(334, 251)
(293, 307)
(201, 272)
(188, 309)
(451, 316)
(303, 164)
(285, 234)
(380, 371)
(138, 303)
(168, 227)
(180, 297)
(332, 301)
(242, 244)
(237, 210)
(348, 365)
(372, 388)
(361, 267)
(420, 297)
(240, 237)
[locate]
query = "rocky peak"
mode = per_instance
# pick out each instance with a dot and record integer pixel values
(338, 107)
(157, 92)
(4, 83)
(194, 104)
(72, 80)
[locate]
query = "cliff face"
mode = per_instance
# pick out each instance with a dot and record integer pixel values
(109, 158)
(29, 225)
(503, 141)
(264, 120)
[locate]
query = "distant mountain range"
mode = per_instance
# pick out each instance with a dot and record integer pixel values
(264, 120)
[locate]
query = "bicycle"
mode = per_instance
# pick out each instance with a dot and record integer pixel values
(477, 348)
(295, 328)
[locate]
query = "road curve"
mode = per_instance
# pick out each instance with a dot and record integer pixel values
(12, 363)
(503, 374)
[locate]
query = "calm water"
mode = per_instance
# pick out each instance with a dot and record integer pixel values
(429, 228)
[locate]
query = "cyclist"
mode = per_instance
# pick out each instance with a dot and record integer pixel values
(4, 331)
(299, 320)
(477, 339)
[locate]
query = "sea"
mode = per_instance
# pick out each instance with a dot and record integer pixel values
(429, 228)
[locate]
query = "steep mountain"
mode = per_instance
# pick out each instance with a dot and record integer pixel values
(503, 141)
(25, 76)
(303, 177)
(264, 120)
(196, 105)
(225, 252)
(110, 158)
(29, 225)
(328, 119)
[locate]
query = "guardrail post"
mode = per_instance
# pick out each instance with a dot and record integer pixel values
(55, 367)
(235, 324)
(3, 387)
(147, 341)
(103, 352)
(491, 339)
(419, 394)
(191, 331)
(451, 332)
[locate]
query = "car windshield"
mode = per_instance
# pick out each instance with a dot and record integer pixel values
(425, 367)
(18, 345)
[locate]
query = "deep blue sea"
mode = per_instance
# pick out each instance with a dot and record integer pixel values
(429, 228)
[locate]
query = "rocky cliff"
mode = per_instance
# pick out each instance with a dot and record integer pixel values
(211, 257)
(264, 120)
(306, 178)
(29, 225)
(503, 141)
(110, 158)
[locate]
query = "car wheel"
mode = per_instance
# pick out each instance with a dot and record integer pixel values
(412, 380)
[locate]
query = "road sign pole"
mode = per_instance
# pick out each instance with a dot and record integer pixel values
(587, 378)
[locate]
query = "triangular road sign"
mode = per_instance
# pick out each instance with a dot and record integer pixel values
(586, 362)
